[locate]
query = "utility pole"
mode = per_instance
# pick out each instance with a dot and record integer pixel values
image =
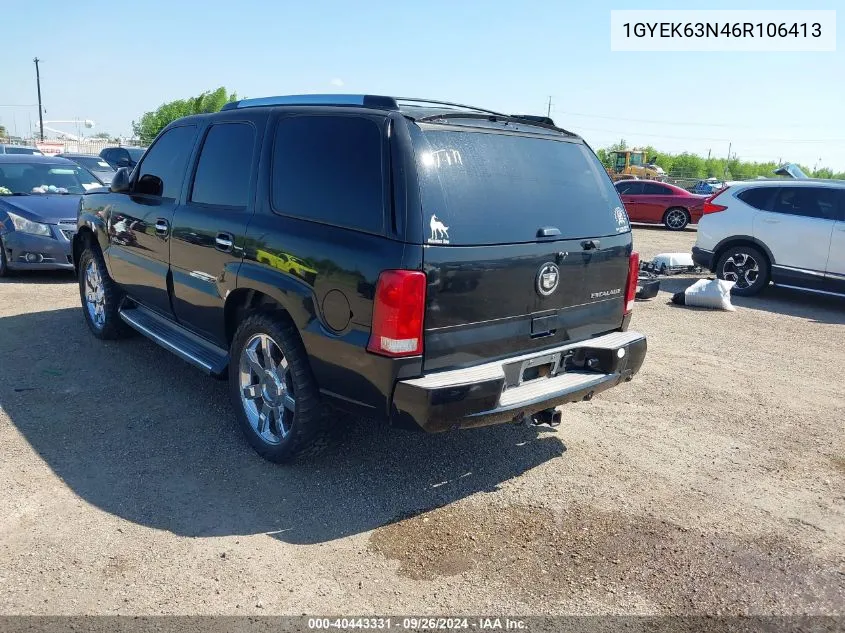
(40, 115)
(549, 109)
(729, 159)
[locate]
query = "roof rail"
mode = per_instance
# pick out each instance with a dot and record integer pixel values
(413, 102)
(368, 101)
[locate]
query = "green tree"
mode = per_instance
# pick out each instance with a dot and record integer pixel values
(3, 132)
(151, 123)
(104, 135)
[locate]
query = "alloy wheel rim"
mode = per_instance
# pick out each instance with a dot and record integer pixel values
(95, 297)
(266, 390)
(742, 269)
(676, 219)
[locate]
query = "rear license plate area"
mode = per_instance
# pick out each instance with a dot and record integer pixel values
(544, 366)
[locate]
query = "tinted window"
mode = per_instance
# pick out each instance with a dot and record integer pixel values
(134, 153)
(493, 188)
(329, 169)
(225, 165)
(623, 187)
(653, 189)
(163, 168)
(632, 188)
(757, 197)
(809, 202)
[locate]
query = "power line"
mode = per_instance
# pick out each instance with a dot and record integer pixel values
(685, 123)
(707, 138)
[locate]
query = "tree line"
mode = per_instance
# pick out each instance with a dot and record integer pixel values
(689, 165)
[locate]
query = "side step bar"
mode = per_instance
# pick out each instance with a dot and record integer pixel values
(173, 337)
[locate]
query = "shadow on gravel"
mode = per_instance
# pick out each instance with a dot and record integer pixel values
(774, 299)
(138, 433)
(39, 277)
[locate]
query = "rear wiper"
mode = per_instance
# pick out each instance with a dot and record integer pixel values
(541, 122)
(21, 193)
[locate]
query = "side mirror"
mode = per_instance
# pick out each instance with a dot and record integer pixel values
(120, 181)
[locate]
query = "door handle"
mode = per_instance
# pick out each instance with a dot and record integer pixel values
(162, 227)
(223, 242)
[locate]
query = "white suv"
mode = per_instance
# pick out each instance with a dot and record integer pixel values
(790, 232)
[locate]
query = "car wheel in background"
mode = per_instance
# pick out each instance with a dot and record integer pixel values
(676, 219)
(273, 390)
(747, 267)
(100, 296)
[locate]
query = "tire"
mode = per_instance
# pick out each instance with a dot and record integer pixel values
(676, 219)
(4, 268)
(747, 266)
(279, 410)
(101, 313)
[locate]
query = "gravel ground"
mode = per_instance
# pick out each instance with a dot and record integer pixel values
(712, 483)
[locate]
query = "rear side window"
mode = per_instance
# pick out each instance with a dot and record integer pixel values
(225, 166)
(494, 188)
(653, 189)
(329, 169)
(808, 202)
(757, 197)
(163, 169)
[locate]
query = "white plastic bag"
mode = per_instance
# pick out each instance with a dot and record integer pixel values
(710, 293)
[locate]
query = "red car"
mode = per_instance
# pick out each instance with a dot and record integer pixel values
(660, 203)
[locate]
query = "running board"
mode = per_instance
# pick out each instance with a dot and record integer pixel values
(175, 338)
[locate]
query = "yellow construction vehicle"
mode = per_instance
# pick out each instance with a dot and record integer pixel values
(633, 163)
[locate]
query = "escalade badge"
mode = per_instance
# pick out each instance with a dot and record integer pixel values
(548, 279)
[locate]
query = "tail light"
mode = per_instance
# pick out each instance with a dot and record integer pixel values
(398, 312)
(712, 207)
(633, 277)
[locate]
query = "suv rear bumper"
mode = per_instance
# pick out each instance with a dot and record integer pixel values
(492, 393)
(703, 258)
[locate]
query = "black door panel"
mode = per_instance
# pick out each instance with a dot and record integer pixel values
(208, 231)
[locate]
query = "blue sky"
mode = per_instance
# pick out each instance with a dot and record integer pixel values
(111, 61)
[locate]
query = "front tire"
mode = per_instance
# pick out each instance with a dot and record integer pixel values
(273, 391)
(100, 296)
(746, 266)
(676, 219)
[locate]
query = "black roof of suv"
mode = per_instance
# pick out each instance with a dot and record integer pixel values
(428, 263)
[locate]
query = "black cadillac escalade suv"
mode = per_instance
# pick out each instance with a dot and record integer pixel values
(434, 265)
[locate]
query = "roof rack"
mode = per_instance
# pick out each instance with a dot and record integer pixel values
(406, 105)
(367, 101)
(413, 102)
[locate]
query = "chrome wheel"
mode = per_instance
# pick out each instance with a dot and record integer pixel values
(266, 389)
(676, 219)
(742, 269)
(95, 296)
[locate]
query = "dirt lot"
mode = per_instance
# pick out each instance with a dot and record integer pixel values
(715, 482)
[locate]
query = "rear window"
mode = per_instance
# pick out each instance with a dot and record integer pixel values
(22, 150)
(493, 188)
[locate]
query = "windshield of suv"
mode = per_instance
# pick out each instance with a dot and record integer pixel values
(495, 188)
(94, 163)
(41, 178)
